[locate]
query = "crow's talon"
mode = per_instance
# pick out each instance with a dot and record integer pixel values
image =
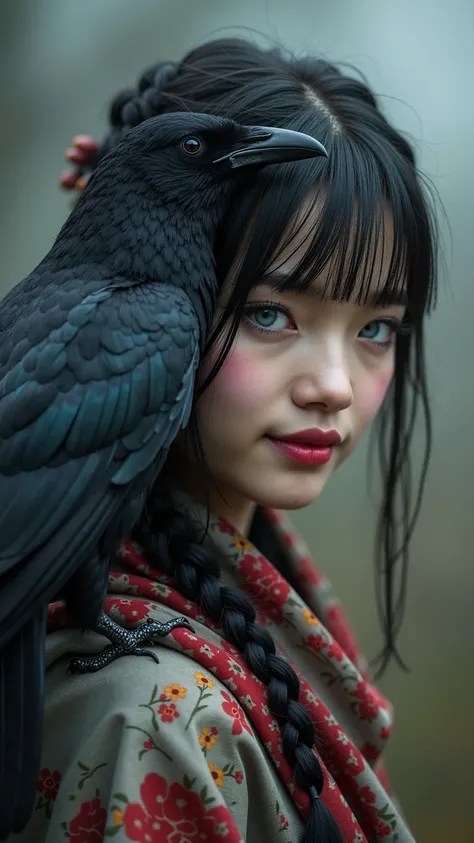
(124, 642)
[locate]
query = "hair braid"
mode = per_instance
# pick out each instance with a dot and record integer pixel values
(128, 109)
(171, 543)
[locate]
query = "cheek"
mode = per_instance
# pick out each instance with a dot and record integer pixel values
(240, 383)
(373, 392)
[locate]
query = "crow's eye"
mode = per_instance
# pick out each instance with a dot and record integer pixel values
(192, 145)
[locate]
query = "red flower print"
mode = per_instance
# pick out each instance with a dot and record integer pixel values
(144, 828)
(345, 758)
(307, 571)
(273, 516)
(367, 701)
(266, 585)
(339, 629)
(335, 652)
(148, 744)
(226, 528)
(238, 776)
(131, 608)
(233, 709)
(171, 813)
(366, 795)
(283, 821)
(48, 783)
(88, 825)
(316, 642)
(289, 539)
(385, 732)
(168, 712)
(382, 829)
(370, 752)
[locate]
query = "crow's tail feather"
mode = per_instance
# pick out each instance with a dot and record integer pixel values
(21, 723)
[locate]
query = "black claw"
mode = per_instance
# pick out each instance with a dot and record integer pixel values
(152, 655)
(125, 642)
(185, 623)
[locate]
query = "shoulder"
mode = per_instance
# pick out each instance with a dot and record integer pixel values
(177, 699)
(140, 743)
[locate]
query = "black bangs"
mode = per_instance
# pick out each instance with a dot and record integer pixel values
(361, 217)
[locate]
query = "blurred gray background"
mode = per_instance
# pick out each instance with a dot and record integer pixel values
(61, 61)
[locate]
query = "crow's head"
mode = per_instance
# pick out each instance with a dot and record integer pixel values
(194, 159)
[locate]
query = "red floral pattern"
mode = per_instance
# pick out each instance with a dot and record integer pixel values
(366, 701)
(173, 814)
(88, 825)
(266, 585)
(48, 783)
(233, 710)
(316, 643)
(168, 712)
(275, 600)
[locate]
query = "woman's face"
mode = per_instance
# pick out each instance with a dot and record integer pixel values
(299, 363)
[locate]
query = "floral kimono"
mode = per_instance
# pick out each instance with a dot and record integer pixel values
(187, 750)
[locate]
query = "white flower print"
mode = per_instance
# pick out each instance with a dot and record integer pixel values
(236, 668)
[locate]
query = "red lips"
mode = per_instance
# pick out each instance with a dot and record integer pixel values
(313, 436)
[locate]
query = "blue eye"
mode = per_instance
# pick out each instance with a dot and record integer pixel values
(380, 331)
(267, 317)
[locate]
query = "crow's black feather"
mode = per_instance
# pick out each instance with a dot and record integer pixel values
(98, 352)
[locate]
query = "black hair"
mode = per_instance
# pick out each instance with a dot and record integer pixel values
(368, 160)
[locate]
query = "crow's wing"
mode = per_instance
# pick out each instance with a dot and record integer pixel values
(83, 413)
(87, 411)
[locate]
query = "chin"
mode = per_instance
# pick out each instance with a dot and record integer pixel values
(291, 493)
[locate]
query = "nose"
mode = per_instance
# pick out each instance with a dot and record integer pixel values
(324, 381)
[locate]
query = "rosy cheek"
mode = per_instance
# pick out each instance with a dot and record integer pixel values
(240, 377)
(374, 392)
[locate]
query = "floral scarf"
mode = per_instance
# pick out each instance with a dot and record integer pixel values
(352, 719)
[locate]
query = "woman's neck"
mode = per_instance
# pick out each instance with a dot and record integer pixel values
(223, 500)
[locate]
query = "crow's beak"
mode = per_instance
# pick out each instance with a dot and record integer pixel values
(264, 145)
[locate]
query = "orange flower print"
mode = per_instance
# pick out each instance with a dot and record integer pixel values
(203, 681)
(233, 710)
(217, 774)
(241, 543)
(117, 815)
(311, 618)
(204, 684)
(175, 692)
(207, 738)
(168, 712)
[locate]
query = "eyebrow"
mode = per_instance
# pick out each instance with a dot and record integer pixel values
(376, 299)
